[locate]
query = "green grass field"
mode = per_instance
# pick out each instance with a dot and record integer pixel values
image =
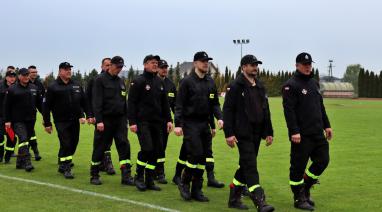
(352, 182)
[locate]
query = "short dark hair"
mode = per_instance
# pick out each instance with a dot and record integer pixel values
(10, 67)
(106, 58)
(32, 67)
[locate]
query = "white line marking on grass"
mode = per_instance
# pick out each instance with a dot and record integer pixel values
(90, 193)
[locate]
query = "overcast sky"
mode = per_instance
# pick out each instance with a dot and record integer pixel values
(82, 32)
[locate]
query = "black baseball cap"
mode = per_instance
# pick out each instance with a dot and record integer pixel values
(23, 71)
(10, 73)
(249, 59)
(151, 57)
(201, 56)
(118, 61)
(162, 64)
(304, 58)
(65, 65)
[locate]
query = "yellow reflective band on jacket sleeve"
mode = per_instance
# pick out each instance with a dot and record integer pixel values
(293, 183)
(33, 138)
(181, 161)
(141, 163)
(237, 183)
(23, 144)
(66, 158)
(123, 162)
(212, 95)
(252, 188)
(192, 166)
(210, 160)
(200, 166)
(311, 175)
(152, 167)
(95, 163)
(171, 95)
(161, 160)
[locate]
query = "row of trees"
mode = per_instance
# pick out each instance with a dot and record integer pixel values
(369, 84)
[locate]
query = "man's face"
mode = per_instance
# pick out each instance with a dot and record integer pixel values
(304, 68)
(163, 71)
(24, 78)
(106, 65)
(201, 65)
(10, 79)
(251, 69)
(32, 73)
(114, 69)
(65, 73)
(151, 66)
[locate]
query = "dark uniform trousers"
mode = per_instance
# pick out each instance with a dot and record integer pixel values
(150, 136)
(315, 147)
(33, 140)
(7, 147)
(247, 173)
(68, 134)
(114, 127)
(162, 153)
(24, 130)
(197, 140)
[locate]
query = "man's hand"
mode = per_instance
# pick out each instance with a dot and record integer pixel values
(213, 132)
(178, 131)
(48, 130)
(7, 125)
(296, 138)
(91, 120)
(100, 127)
(169, 127)
(134, 128)
(231, 141)
(329, 133)
(269, 140)
(82, 120)
(220, 124)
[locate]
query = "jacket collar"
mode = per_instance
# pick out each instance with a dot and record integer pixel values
(303, 76)
(149, 74)
(244, 82)
(194, 75)
(61, 82)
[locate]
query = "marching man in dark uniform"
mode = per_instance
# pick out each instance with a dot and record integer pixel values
(33, 77)
(170, 87)
(66, 99)
(6, 148)
(20, 105)
(247, 120)
(110, 110)
(106, 164)
(148, 111)
(197, 99)
(306, 119)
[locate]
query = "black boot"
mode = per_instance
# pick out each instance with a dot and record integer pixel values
(139, 179)
(196, 190)
(161, 177)
(149, 180)
(184, 184)
(20, 162)
(234, 200)
(245, 191)
(25, 157)
(309, 183)
(108, 164)
(178, 173)
(212, 182)
(67, 170)
(258, 198)
(33, 145)
(126, 178)
(7, 157)
(94, 175)
(300, 201)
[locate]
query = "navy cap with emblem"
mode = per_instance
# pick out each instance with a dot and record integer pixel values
(201, 56)
(304, 58)
(24, 71)
(249, 59)
(65, 65)
(10, 73)
(118, 60)
(162, 64)
(151, 57)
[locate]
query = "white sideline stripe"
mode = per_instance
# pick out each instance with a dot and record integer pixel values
(90, 193)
